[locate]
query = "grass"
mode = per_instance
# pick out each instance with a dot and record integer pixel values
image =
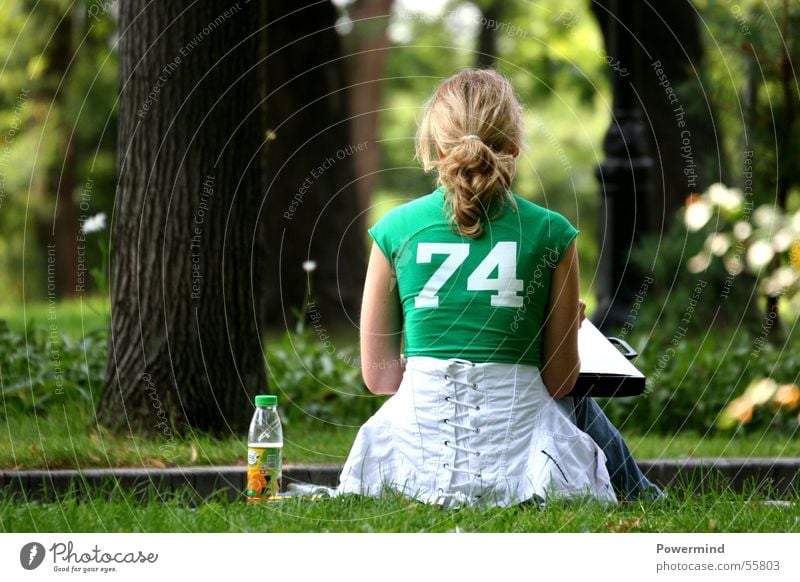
(124, 512)
(73, 317)
(68, 437)
(688, 444)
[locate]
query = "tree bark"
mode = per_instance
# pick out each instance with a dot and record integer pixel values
(312, 202)
(367, 46)
(487, 35)
(186, 268)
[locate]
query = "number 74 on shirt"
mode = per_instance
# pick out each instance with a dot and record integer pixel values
(502, 257)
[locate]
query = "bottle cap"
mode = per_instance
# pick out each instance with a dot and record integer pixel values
(266, 400)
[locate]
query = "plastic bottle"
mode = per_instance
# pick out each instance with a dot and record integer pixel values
(264, 450)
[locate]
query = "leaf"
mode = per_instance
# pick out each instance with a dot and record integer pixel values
(624, 524)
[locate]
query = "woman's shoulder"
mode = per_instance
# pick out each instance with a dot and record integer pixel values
(529, 210)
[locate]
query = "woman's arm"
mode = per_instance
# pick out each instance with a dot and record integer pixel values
(561, 362)
(381, 327)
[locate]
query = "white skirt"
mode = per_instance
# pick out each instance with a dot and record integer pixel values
(460, 433)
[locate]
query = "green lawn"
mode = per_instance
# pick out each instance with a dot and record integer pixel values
(68, 437)
(122, 512)
(72, 317)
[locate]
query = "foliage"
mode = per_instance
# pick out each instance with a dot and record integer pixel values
(42, 110)
(753, 48)
(316, 380)
(42, 366)
(689, 387)
(764, 402)
(697, 323)
(764, 241)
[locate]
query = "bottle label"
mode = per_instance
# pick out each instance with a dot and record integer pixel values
(263, 472)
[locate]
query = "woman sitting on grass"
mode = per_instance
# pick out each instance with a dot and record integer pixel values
(483, 286)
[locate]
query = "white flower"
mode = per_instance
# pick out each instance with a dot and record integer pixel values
(796, 221)
(733, 265)
(761, 391)
(786, 277)
(699, 263)
(772, 287)
(697, 215)
(766, 216)
(729, 199)
(760, 254)
(742, 230)
(718, 243)
(94, 223)
(309, 266)
(782, 240)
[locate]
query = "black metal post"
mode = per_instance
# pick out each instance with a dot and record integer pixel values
(624, 175)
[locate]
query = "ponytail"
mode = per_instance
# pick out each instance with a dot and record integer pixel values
(471, 132)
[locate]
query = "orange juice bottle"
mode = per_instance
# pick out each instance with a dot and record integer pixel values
(264, 450)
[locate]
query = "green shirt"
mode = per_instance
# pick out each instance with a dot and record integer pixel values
(484, 299)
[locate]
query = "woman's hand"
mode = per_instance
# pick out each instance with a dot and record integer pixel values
(381, 327)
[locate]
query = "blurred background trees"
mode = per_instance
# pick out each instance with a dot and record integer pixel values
(333, 75)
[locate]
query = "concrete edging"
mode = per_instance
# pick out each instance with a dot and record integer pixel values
(705, 474)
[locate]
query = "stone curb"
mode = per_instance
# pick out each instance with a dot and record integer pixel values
(782, 475)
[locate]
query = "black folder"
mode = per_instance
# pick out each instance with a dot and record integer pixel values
(605, 370)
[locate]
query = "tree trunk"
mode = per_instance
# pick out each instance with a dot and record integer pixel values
(312, 203)
(186, 266)
(368, 46)
(487, 35)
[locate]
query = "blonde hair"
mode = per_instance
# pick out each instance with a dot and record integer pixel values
(475, 120)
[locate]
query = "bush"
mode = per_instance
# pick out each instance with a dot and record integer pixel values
(688, 388)
(43, 365)
(697, 325)
(317, 380)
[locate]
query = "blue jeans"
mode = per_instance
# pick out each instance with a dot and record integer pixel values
(627, 479)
